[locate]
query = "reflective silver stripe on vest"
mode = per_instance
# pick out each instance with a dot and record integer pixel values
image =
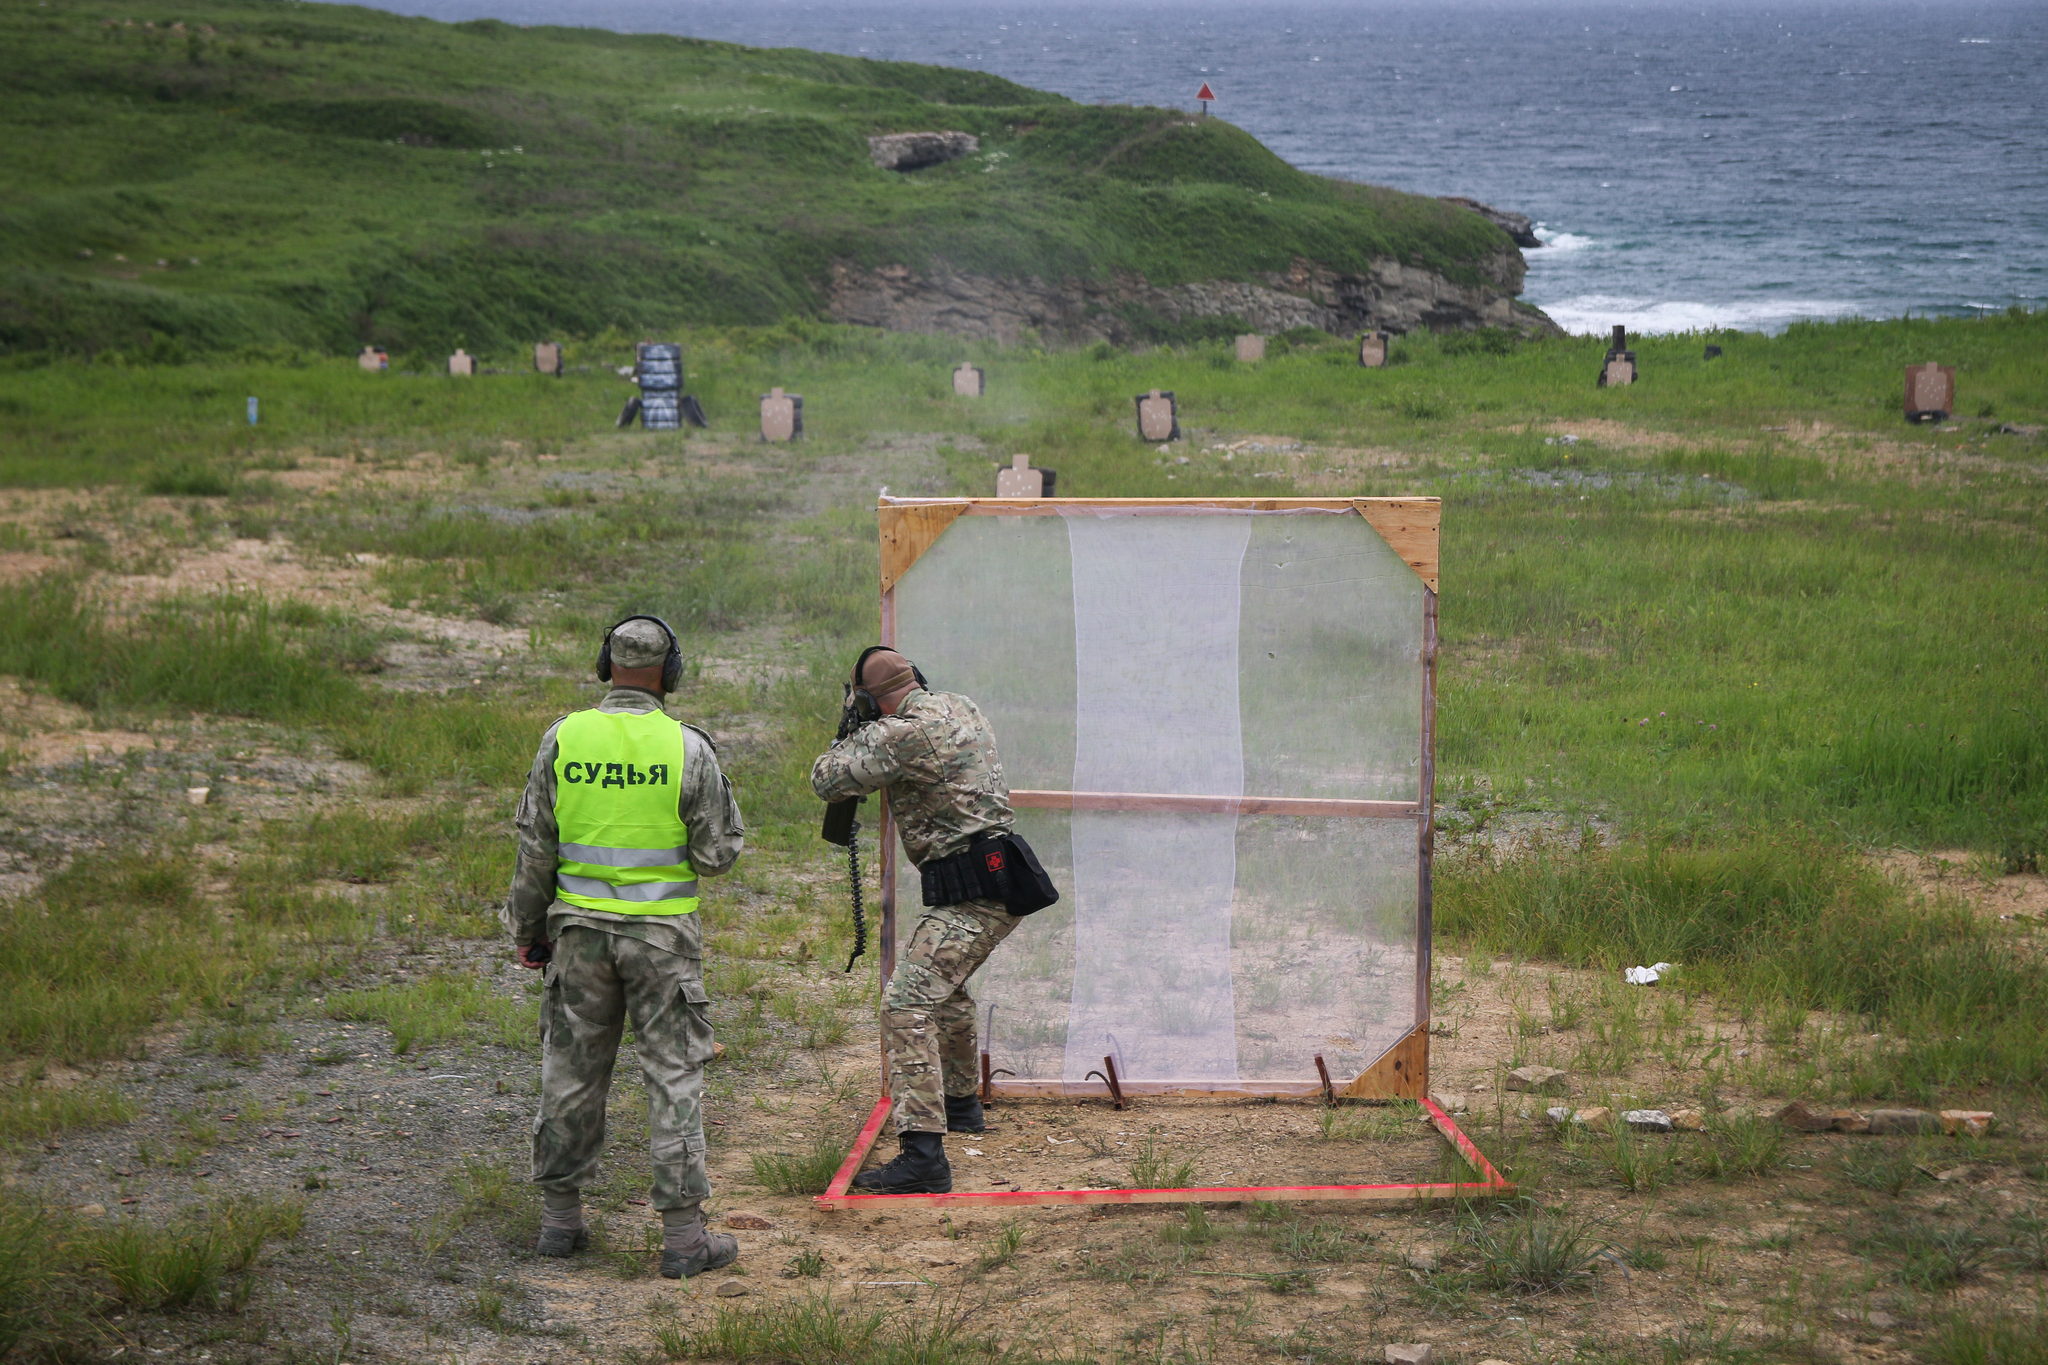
(600, 856)
(639, 891)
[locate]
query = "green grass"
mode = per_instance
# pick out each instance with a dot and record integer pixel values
(440, 1009)
(819, 1328)
(1528, 1250)
(56, 1268)
(362, 177)
(29, 1111)
(805, 1172)
(105, 949)
(1371, 1123)
(1931, 1255)
(1154, 1168)
(1789, 616)
(1781, 918)
(1992, 1337)
(225, 656)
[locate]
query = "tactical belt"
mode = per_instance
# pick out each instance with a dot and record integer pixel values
(998, 867)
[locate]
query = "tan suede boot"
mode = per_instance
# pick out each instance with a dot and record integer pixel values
(562, 1232)
(688, 1249)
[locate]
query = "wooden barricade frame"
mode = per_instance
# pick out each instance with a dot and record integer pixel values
(909, 527)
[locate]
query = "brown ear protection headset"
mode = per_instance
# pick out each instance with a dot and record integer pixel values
(862, 702)
(671, 664)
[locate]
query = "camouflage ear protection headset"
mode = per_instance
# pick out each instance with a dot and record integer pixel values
(859, 700)
(671, 663)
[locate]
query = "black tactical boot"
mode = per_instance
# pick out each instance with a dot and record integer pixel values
(963, 1114)
(920, 1168)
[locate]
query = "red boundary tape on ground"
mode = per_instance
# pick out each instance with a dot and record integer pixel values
(1495, 1186)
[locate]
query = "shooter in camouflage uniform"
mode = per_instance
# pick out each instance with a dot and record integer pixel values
(936, 756)
(624, 809)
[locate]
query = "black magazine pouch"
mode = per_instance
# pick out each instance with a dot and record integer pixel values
(1010, 873)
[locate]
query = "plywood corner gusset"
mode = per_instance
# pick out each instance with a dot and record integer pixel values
(908, 532)
(1401, 1073)
(1409, 526)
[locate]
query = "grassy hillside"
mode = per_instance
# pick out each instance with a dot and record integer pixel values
(249, 173)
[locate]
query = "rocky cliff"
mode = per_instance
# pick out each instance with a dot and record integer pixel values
(1388, 297)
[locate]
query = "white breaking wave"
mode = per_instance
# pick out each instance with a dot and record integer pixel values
(1555, 240)
(1597, 314)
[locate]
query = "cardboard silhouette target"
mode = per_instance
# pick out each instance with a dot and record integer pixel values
(1022, 479)
(1930, 392)
(1618, 368)
(1216, 718)
(1158, 416)
(782, 415)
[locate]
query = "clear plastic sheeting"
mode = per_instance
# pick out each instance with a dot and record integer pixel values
(1211, 654)
(1155, 659)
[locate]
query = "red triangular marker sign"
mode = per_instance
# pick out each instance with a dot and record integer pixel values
(1205, 93)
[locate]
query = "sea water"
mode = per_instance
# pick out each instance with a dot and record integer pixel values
(1725, 163)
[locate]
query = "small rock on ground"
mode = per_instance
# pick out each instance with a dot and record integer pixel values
(1903, 1122)
(1688, 1120)
(1421, 1353)
(731, 1289)
(1968, 1122)
(1543, 1080)
(747, 1220)
(1648, 1120)
(1804, 1118)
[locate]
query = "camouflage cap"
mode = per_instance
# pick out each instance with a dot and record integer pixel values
(638, 644)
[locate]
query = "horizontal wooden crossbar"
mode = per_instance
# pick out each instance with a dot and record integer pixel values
(909, 526)
(1495, 1185)
(1160, 802)
(1081, 1090)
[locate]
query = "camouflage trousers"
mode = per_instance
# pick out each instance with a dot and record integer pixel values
(595, 984)
(928, 1016)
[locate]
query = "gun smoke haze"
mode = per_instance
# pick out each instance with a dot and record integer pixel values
(1690, 166)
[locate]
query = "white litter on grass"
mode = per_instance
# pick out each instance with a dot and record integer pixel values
(1645, 976)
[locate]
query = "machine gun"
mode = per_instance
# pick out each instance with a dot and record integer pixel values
(842, 826)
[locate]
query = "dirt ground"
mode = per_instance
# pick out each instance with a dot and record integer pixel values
(401, 1257)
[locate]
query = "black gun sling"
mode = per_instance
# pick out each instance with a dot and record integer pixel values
(1001, 867)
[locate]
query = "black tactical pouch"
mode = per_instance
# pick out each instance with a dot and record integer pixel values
(1001, 867)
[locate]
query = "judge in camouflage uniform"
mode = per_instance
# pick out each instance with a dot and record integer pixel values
(624, 809)
(935, 755)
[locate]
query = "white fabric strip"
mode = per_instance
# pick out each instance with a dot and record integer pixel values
(1156, 670)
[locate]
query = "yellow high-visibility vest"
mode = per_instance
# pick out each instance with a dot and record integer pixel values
(622, 846)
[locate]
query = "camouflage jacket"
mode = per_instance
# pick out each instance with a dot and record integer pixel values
(937, 759)
(706, 806)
